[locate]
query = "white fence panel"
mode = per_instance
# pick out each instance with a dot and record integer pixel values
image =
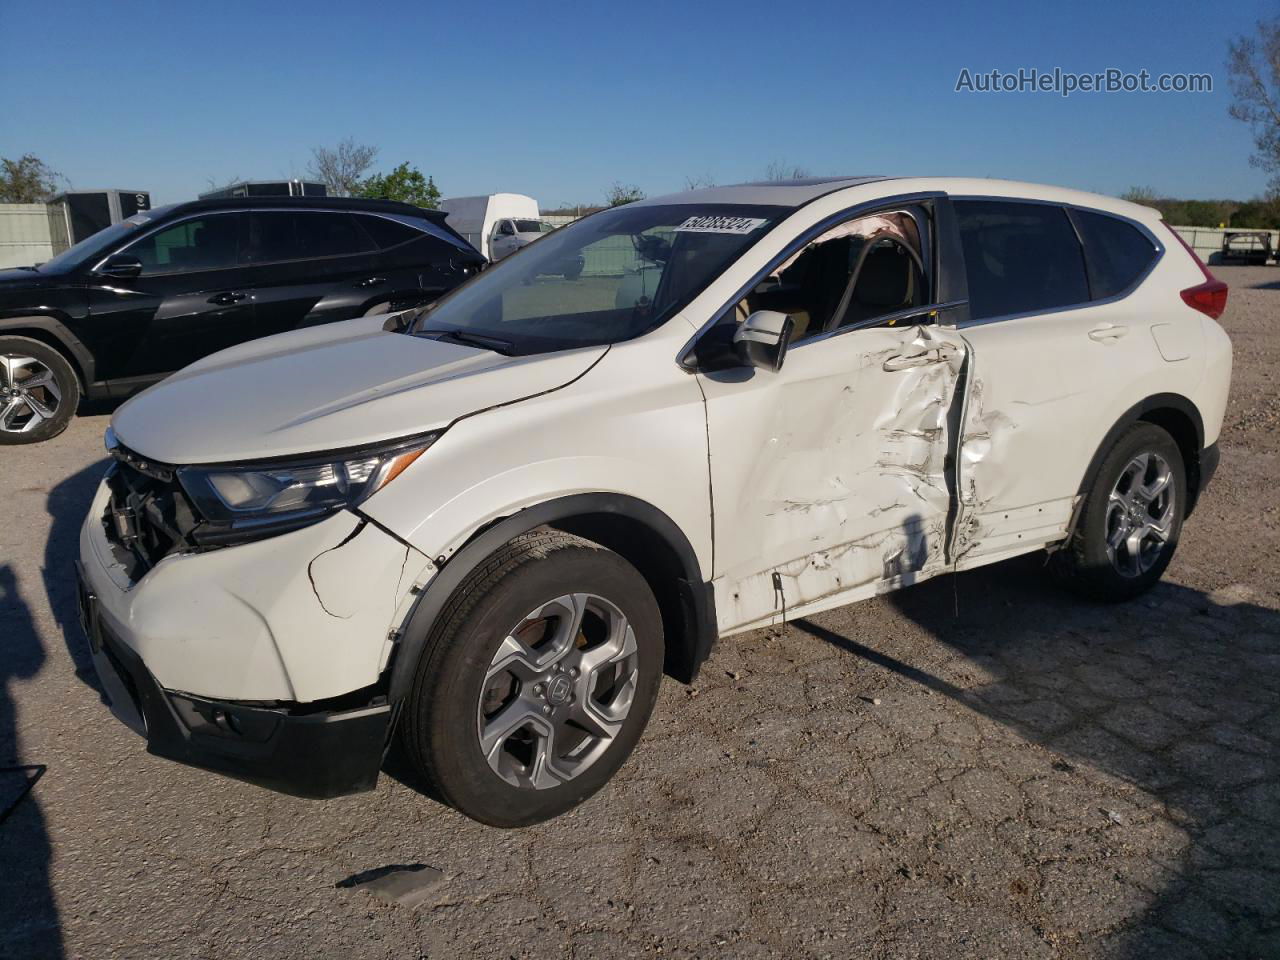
(24, 234)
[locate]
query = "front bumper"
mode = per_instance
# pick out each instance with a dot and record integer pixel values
(303, 751)
(264, 661)
(300, 617)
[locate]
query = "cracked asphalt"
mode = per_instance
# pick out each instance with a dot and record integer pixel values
(980, 766)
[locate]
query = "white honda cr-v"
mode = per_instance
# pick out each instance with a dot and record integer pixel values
(491, 525)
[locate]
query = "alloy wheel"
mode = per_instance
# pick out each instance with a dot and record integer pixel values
(1140, 514)
(558, 691)
(29, 393)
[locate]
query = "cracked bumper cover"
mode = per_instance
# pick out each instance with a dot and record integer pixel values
(299, 617)
(261, 660)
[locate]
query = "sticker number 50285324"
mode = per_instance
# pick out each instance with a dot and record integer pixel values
(720, 225)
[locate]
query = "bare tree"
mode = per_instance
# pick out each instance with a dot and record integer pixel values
(781, 170)
(1253, 66)
(220, 183)
(621, 193)
(698, 182)
(342, 168)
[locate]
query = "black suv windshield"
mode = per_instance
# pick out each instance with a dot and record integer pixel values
(609, 277)
(92, 246)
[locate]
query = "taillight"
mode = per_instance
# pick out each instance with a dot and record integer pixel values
(1210, 297)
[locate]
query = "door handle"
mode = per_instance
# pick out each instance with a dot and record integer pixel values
(226, 299)
(1107, 332)
(372, 282)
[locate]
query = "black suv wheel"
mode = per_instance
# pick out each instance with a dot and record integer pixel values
(39, 391)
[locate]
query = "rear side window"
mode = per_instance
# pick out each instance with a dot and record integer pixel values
(331, 235)
(1019, 258)
(271, 238)
(1116, 252)
(274, 236)
(388, 233)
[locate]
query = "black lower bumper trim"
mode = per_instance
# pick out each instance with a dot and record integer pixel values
(1205, 467)
(1209, 458)
(320, 754)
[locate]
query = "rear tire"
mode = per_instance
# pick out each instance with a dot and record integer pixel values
(39, 391)
(1131, 518)
(536, 682)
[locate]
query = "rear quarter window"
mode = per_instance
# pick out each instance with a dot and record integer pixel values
(1116, 253)
(1019, 258)
(388, 233)
(330, 235)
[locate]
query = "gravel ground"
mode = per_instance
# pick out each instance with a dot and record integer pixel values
(980, 766)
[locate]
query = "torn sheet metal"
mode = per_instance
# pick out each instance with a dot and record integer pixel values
(997, 456)
(836, 467)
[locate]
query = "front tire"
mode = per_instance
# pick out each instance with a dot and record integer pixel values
(536, 682)
(39, 391)
(1132, 516)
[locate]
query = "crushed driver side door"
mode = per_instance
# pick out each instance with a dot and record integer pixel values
(831, 478)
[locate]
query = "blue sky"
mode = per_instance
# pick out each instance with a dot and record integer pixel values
(560, 100)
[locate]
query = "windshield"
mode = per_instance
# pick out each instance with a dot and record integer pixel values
(609, 277)
(92, 246)
(533, 226)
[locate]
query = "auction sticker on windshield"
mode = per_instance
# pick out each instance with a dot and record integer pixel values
(720, 225)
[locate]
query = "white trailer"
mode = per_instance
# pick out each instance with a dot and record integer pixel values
(498, 224)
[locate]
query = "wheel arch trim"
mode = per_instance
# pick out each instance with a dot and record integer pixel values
(81, 358)
(1142, 412)
(696, 598)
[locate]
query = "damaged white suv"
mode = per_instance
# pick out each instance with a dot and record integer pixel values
(491, 525)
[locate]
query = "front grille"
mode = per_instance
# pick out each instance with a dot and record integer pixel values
(148, 516)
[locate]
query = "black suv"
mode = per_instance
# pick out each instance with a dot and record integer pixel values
(140, 299)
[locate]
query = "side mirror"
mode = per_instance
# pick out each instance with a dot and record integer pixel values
(762, 339)
(121, 266)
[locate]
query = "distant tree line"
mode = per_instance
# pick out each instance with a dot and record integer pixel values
(1258, 214)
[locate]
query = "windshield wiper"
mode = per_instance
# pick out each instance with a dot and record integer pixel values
(505, 347)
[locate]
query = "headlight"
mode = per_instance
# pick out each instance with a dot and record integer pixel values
(283, 494)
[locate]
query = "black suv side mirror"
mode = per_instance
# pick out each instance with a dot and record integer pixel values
(121, 266)
(762, 339)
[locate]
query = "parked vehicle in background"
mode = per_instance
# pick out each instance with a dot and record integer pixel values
(490, 525)
(1251, 247)
(76, 215)
(268, 188)
(153, 293)
(498, 224)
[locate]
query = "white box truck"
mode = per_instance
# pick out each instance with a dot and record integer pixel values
(498, 224)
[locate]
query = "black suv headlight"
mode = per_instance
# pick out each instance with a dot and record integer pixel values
(271, 496)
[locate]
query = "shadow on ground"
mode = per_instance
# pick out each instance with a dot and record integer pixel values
(28, 912)
(67, 504)
(1175, 693)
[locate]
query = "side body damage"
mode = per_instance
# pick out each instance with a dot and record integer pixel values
(840, 467)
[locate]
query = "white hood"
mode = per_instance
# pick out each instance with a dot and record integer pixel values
(325, 388)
